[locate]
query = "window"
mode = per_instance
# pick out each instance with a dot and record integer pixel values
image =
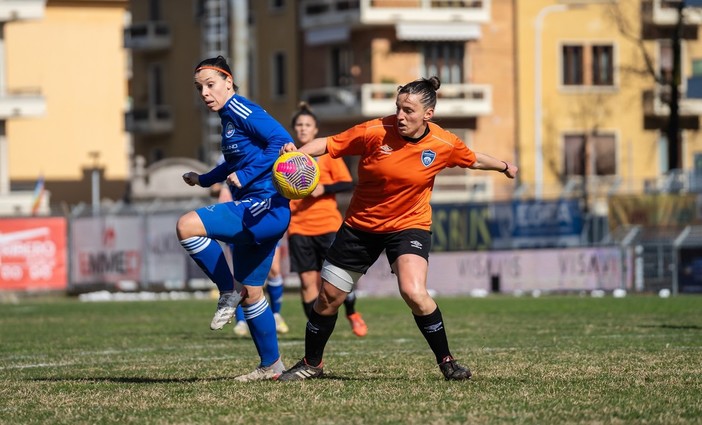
(154, 10)
(279, 86)
(696, 67)
(603, 148)
(341, 63)
(574, 151)
(445, 60)
(583, 65)
(572, 65)
(602, 66)
(156, 92)
(277, 4)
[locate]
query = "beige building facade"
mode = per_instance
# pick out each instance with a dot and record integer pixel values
(352, 60)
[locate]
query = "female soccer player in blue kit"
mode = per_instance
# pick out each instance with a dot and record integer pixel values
(253, 221)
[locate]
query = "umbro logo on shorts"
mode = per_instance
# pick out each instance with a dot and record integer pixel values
(416, 244)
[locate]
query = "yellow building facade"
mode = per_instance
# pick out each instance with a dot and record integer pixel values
(587, 105)
(74, 56)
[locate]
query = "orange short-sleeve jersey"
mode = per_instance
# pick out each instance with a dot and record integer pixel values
(318, 216)
(396, 176)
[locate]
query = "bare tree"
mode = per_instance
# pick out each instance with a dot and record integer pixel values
(621, 14)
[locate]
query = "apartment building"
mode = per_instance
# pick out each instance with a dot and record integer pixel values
(64, 89)
(592, 117)
(20, 100)
(355, 54)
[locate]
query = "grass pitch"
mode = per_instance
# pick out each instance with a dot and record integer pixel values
(548, 360)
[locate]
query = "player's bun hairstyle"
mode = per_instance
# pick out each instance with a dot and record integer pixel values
(304, 109)
(426, 89)
(220, 65)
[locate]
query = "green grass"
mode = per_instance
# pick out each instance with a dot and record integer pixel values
(548, 360)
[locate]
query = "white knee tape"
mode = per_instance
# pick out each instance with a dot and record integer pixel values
(342, 279)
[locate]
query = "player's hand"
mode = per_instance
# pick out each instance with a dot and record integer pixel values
(318, 191)
(288, 147)
(191, 178)
(234, 180)
(511, 171)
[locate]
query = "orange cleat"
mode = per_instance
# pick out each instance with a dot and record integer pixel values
(358, 326)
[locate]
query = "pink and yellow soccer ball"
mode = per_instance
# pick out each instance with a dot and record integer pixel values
(295, 175)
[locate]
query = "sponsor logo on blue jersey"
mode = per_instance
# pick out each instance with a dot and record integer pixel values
(428, 157)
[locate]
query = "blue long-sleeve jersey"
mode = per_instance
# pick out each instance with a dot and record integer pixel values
(251, 142)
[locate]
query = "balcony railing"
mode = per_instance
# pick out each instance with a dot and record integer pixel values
(325, 13)
(150, 35)
(22, 104)
(13, 10)
(655, 103)
(664, 12)
(376, 100)
(150, 120)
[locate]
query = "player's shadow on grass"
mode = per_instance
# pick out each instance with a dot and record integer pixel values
(136, 379)
(668, 326)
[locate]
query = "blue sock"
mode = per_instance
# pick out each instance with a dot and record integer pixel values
(262, 327)
(275, 293)
(239, 313)
(209, 256)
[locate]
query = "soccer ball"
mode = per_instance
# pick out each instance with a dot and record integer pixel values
(295, 175)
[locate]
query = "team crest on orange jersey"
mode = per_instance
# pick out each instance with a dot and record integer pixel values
(428, 157)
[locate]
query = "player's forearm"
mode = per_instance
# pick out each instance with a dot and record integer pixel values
(316, 147)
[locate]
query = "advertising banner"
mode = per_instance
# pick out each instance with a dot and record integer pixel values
(106, 249)
(166, 262)
(507, 225)
(33, 254)
(461, 273)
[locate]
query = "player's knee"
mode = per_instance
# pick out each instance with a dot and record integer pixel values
(254, 295)
(189, 225)
(414, 296)
(330, 297)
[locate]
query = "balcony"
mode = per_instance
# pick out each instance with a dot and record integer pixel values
(656, 110)
(151, 120)
(22, 104)
(148, 36)
(664, 12)
(14, 10)
(376, 100)
(330, 13)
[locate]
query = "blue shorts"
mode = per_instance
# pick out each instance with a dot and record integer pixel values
(254, 227)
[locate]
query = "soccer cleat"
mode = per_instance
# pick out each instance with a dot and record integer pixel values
(263, 373)
(241, 328)
(226, 307)
(280, 326)
(301, 371)
(453, 371)
(358, 326)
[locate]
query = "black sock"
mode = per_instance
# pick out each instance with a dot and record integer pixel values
(350, 303)
(432, 327)
(319, 329)
(307, 307)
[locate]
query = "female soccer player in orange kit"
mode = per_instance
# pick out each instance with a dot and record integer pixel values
(401, 155)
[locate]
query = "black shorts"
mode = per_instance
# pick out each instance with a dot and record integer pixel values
(307, 252)
(356, 250)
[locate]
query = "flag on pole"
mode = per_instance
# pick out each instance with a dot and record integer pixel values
(38, 194)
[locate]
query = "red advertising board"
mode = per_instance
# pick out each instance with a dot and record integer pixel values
(33, 254)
